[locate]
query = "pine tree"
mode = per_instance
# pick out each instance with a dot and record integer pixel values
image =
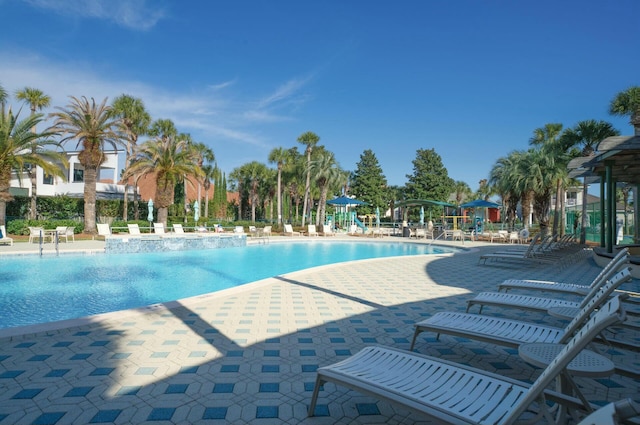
(430, 179)
(368, 183)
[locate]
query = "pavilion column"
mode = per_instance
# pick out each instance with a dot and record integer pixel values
(636, 215)
(611, 205)
(603, 210)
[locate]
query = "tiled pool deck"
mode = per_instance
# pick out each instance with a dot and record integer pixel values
(248, 355)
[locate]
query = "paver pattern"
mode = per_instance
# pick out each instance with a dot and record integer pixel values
(248, 355)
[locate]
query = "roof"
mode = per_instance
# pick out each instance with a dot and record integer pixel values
(622, 152)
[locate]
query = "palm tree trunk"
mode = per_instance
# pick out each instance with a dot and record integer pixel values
(34, 192)
(125, 203)
(206, 204)
(90, 178)
(307, 188)
(279, 222)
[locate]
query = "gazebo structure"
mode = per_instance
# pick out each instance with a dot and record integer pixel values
(616, 161)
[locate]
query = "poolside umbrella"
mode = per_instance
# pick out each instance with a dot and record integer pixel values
(345, 201)
(421, 216)
(196, 211)
(150, 215)
(378, 216)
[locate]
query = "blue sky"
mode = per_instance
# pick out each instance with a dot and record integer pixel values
(471, 79)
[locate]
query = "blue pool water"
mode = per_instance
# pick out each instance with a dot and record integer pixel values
(45, 289)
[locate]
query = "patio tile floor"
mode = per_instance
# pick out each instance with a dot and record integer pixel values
(249, 355)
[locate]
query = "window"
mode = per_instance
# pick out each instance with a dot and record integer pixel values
(78, 175)
(47, 178)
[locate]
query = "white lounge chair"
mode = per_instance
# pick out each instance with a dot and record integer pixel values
(266, 231)
(613, 413)
(288, 231)
(513, 333)
(327, 230)
(178, 229)
(238, 229)
(532, 254)
(158, 228)
(568, 288)
(531, 303)
(4, 239)
(454, 393)
(311, 230)
(103, 230)
(134, 229)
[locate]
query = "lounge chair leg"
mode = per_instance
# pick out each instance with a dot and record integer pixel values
(314, 397)
(413, 341)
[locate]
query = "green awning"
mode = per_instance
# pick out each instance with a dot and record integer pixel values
(422, 202)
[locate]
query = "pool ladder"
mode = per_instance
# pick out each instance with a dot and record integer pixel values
(55, 240)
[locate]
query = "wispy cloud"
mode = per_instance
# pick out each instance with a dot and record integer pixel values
(133, 14)
(223, 85)
(284, 93)
(205, 116)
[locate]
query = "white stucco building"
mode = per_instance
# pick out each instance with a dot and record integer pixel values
(72, 185)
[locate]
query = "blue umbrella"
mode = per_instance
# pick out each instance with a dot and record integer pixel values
(422, 216)
(345, 201)
(150, 206)
(196, 211)
(378, 216)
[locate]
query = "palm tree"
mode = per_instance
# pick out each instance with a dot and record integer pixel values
(587, 134)
(462, 191)
(170, 160)
(501, 178)
(17, 143)
(518, 177)
(93, 125)
(627, 103)
(310, 140)
(548, 139)
(3, 95)
(279, 156)
(135, 122)
(3, 98)
(208, 172)
(325, 170)
(202, 153)
(37, 100)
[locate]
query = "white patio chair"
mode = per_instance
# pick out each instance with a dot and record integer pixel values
(158, 228)
(36, 232)
(65, 232)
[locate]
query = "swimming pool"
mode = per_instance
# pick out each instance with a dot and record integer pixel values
(44, 289)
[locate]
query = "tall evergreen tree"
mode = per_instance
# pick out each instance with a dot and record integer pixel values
(430, 178)
(369, 184)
